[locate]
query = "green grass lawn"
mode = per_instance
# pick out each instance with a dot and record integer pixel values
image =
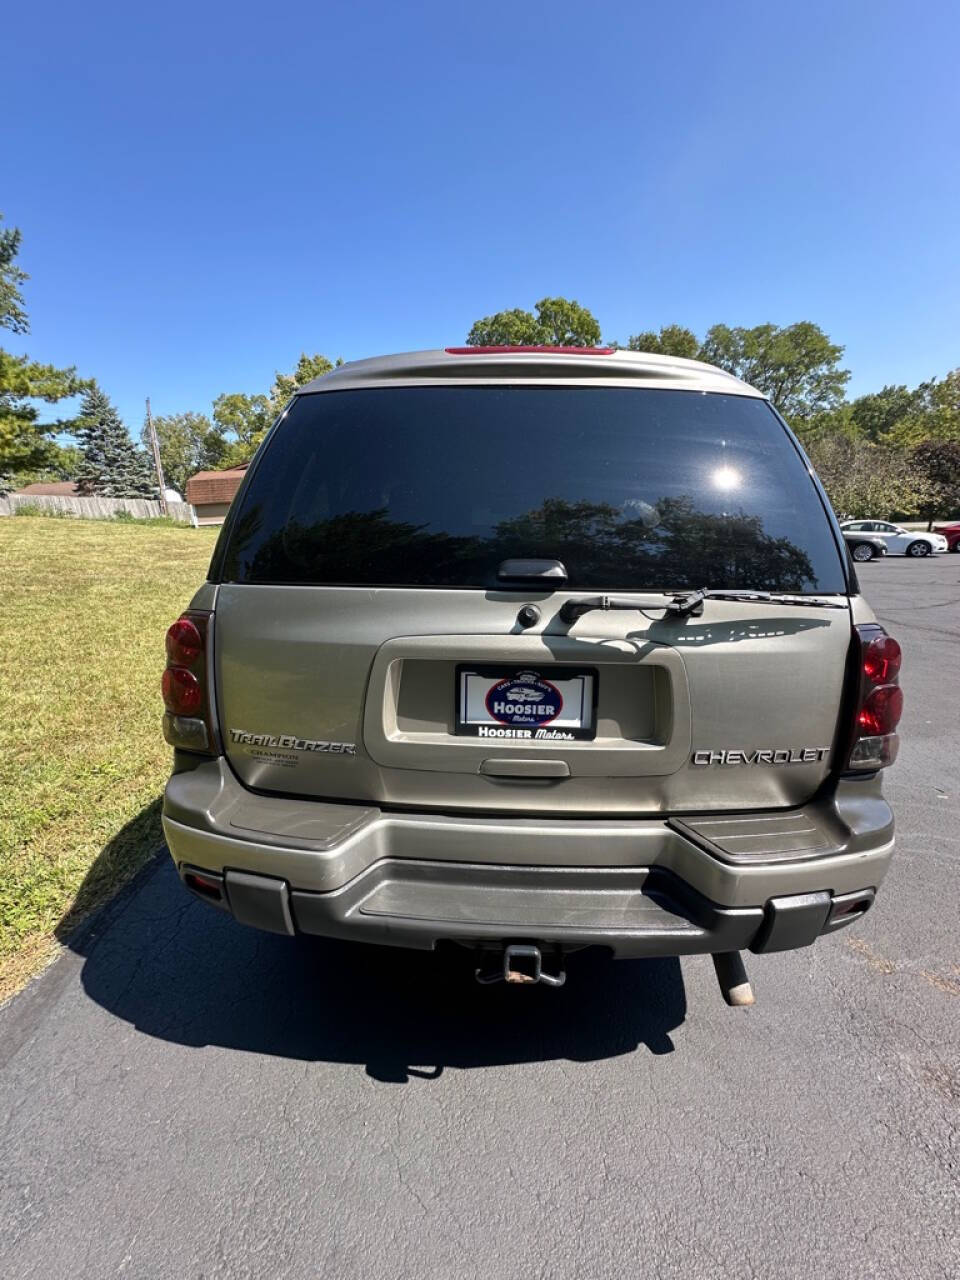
(84, 605)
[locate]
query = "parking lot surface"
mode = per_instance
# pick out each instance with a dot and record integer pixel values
(180, 1096)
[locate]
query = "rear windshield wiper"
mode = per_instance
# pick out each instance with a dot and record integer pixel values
(779, 597)
(678, 606)
(690, 603)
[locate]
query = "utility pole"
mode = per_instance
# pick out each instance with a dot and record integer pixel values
(156, 458)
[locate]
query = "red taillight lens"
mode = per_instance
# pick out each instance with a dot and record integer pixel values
(184, 643)
(188, 724)
(881, 660)
(881, 711)
(879, 704)
(208, 886)
(182, 694)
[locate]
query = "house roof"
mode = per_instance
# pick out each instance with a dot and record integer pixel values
(215, 486)
(53, 489)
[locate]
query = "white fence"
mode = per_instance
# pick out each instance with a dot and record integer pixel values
(96, 508)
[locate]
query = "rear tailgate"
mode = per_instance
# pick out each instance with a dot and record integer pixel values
(344, 693)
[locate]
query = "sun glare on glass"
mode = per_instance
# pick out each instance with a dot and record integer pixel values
(725, 478)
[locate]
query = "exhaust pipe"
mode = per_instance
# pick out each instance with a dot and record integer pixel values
(732, 976)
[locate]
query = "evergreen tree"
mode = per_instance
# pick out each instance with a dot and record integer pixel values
(25, 442)
(111, 465)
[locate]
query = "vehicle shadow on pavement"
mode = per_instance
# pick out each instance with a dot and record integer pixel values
(184, 972)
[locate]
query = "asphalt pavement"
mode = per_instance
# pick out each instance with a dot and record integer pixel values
(183, 1097)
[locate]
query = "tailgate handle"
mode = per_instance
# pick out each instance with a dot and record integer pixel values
(546, 572)
(525, 768)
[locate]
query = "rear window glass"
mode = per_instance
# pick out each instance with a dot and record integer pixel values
(435, 486)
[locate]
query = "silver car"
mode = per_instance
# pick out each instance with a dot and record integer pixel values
(898, 541)
(626, 694)
(863, 546)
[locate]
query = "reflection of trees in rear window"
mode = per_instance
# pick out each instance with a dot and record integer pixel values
(687, 547)
(631, 489)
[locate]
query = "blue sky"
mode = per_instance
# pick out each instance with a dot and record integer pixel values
(206, 190)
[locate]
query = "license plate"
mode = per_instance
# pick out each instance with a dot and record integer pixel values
(529, 704)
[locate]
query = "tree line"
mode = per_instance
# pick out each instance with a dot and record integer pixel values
(892, 453)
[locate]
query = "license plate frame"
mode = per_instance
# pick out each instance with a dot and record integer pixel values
(575, 720)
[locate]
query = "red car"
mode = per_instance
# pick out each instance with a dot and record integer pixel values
(952, 534)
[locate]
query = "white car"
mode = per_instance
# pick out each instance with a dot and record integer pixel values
(899, 542)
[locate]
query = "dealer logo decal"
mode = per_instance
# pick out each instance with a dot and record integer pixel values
(524, 700)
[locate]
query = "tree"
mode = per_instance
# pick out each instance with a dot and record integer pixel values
(308, 368)
(247, 419)
(934, 413)
(796, 366)
(567, 324)
(825, 424)
(945, 407)
(874, 416)
(244, 418)
(111, 466)
(672, 340)
(936, 465)
(65, 462)
(61, 463)
(559, 322)
(13, 315)
(189, 442)
(516, 328)
(25, 443)
(863, 479)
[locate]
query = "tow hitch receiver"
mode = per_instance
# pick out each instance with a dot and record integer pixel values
(522, 963)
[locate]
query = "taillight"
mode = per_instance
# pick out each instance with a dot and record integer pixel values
(882, 710)
(182, 693)
(881, 659)
(879, 702)
(188, 723)
(184, 643)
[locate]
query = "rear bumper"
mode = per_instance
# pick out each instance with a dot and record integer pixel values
(640, 887)
(633, 913)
